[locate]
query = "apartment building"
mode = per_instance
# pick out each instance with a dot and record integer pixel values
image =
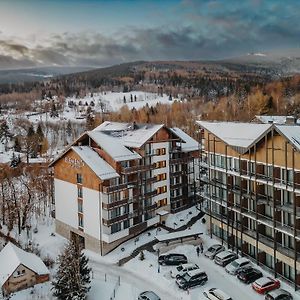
(250, 182)
(119, 179)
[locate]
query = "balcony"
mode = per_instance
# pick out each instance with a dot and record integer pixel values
(117, 203)
(115, 219)
(138, 168)
(118, 187)
(181, 160)
(175, 149)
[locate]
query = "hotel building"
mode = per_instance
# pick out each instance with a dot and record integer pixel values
(250, 183)
(119, 179)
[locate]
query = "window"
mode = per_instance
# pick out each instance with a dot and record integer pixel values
(161, 177)
(115, 227)
(80, 220)
(161, 164)
(126, 209)
(126, 224)
(162, 202)
(79, 192)
(80, 209)
(115, 212)
(161, 151)
(79, 178)
(161, 189)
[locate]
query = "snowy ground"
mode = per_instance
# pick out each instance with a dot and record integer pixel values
(137, 276)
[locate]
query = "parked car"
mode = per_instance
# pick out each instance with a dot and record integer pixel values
(225, 257)
(265, 284)
(148, 295)
(249, 274)
(212, 251)
(237, 265)
(182, 269)
(279, 294)
(172, 259)
(191, 279)
(216, 294)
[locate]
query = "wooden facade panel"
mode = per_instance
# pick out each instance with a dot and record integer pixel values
(70, 165)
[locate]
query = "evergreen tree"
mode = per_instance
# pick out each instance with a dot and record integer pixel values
(40, 133)
(4, 132)
(69, 128)
(17, 146)
(124, 99)
(72, 281)
(53, 111)
(90, 122)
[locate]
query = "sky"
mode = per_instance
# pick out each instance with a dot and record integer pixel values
(100, 33)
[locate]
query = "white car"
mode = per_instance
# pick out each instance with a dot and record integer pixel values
(236, 265)
(182, 269)
(216, 294)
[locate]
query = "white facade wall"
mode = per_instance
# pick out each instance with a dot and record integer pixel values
(66, 206)
(91, 212)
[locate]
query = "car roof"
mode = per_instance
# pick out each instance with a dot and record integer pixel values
(278, 292)
(194, 272)
(215, 246)
(225, 253)
(263, 280)
(150, 294)
(242, 260)
(221, 293)
(187, 265)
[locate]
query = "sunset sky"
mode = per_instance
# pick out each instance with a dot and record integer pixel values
(101, 33)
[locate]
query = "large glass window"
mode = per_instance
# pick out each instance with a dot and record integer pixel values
(115, 227)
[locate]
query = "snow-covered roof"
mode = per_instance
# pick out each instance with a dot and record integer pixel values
(11, 257)
(177, 235)
(130, 134)
(280, 120)
(112, 146)
(98, 165)
(162, 212)
(240, 136)
(292, 133)
(189, 144)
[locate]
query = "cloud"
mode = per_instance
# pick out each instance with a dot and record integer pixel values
(201, 30)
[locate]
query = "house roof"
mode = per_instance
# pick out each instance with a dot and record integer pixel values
(280, 120)
(189, 144)
(11, 257)
(113, 146)
(291, 133)
(240, 136)
(98, 165)
(130, 134)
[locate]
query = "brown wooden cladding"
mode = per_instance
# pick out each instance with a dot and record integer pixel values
(65, 171)
(263, 150)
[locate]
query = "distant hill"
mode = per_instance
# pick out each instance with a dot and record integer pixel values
(36, 74)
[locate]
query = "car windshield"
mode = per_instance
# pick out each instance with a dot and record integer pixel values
(235, 264)
(186, 277)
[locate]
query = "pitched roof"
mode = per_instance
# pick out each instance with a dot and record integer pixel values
(98, 165)
(130, 135)
(189, 144)
(291, 132)
(240, 136)
(113, 146)
(12, 256)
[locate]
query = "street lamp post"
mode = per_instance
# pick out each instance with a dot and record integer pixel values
(158, 265)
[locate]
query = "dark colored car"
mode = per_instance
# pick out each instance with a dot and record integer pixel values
(249, 275)
(191, 279)
(173, 259)
(279, 294)
(225, 257)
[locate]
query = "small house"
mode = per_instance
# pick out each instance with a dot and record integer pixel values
(20, 269)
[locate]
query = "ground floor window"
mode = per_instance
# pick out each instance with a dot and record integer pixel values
(288, 272)
(115, 227)
(126, 224)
